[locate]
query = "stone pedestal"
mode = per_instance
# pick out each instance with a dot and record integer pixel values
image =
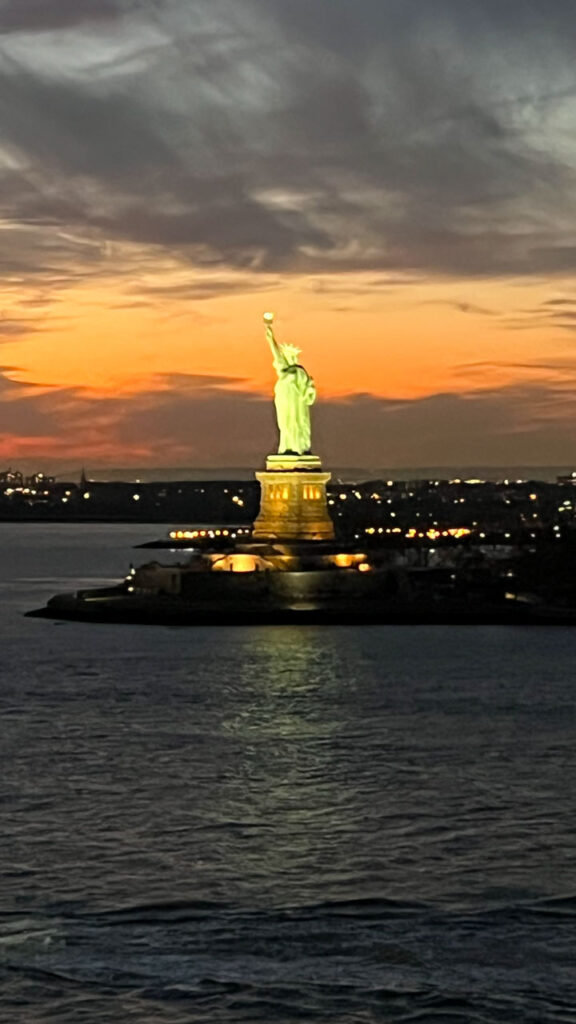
(293, 505)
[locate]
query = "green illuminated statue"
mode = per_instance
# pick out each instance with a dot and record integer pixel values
(294, 393)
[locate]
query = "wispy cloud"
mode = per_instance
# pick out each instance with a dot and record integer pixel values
(289, 137)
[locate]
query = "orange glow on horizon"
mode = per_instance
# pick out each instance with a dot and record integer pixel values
(399, 341)
(405, 343)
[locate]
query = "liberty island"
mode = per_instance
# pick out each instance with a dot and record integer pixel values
(290, 567)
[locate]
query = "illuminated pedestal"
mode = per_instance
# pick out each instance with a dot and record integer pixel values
(293, 504)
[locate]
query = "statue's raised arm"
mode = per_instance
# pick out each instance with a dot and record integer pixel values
(294, 393)
(277, 353)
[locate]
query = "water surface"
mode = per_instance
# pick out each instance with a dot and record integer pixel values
(278, 824)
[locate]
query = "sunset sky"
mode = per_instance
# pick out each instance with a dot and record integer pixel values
(396, 179)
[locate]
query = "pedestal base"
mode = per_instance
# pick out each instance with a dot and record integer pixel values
(293, 463)
(293, 505)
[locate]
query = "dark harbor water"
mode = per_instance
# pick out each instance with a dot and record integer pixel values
(278, 824)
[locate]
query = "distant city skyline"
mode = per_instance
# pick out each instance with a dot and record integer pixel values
(394, 178)
(149, 474)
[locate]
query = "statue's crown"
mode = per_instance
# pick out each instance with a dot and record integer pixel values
(291, 350)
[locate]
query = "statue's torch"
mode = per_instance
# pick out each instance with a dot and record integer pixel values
(269, 320)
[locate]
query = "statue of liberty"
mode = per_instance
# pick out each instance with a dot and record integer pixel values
(294, 393)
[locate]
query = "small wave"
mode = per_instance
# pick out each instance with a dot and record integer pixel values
(160, 913)
(181, 911)
(27, 935)
(564, 906)
(361, 908)
(205, 990)
(442, 1017)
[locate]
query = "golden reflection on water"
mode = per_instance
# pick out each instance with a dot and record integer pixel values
(288, 687)
(288, 781)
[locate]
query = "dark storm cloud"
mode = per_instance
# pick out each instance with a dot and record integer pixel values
(39, 15)
(106, 164)
(339, 25)
(288, 136)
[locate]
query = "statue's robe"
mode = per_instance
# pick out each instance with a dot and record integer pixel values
(294, 393)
